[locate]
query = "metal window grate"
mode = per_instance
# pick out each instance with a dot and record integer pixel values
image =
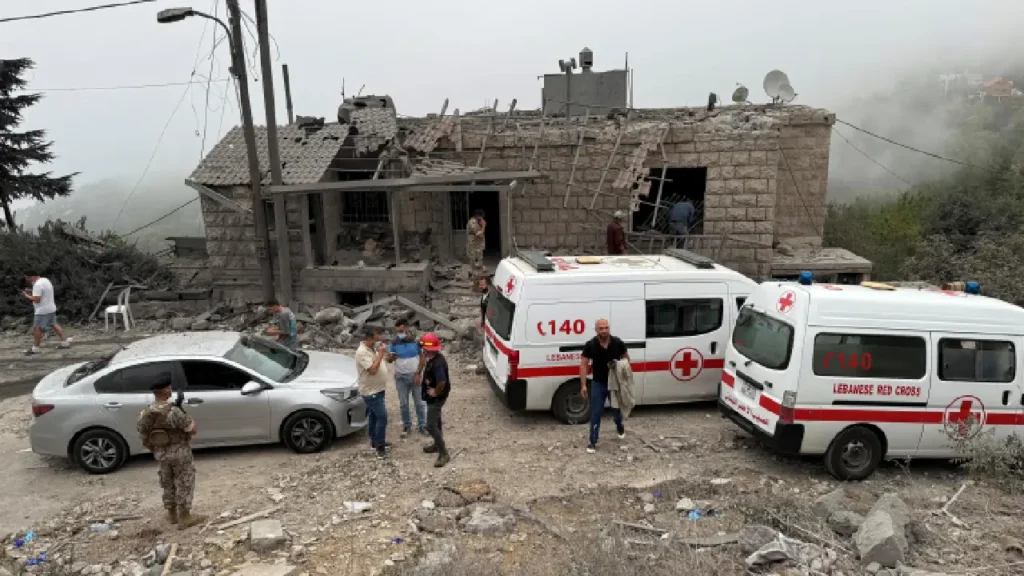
(459, 209)
(365, 207)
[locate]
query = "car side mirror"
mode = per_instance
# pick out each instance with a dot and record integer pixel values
(251, 388)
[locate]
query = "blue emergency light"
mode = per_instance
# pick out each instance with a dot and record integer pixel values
(972, 288)
(806, 278)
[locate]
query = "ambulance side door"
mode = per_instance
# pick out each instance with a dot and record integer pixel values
(975, 389)
(687, 329)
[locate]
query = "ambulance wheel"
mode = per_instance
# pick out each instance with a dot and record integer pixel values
(569, 405)
(854, 454)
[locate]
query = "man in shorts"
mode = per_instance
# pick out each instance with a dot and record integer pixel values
(41, 296)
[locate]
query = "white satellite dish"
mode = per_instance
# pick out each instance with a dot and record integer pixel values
(786, 93)
(773, 81)
(740, 95)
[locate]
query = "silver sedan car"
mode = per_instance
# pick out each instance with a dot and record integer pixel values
(239, 389)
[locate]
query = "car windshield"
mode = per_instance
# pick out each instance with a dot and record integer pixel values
(87, 369)
(763, 339)
(268, 359)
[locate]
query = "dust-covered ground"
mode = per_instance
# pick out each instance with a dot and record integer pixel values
(521, 496)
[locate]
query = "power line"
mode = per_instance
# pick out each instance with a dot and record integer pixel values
(125, 87)
(911, 148)
(864, 154)
(74, 11)
(143, 227)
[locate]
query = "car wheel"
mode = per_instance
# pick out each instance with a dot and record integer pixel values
(99, 451)
(570, 406)
(854, 454)
(307, 432)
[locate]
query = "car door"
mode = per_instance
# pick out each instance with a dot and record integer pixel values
(123, 394)
(687, 331)
(975, 390)
(213, 397)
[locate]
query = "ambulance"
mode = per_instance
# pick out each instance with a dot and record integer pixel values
(868, 372)
(673, 311)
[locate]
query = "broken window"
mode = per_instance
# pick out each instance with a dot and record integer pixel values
(365, 207)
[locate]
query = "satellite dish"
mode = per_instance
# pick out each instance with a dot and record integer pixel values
(773, 81)
(786, 93)
(740, 95)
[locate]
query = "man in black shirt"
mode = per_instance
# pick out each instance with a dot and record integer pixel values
(436, 386)
(598, 356)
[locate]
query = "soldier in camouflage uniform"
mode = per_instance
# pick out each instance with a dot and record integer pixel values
(475, 243)
(167, 431)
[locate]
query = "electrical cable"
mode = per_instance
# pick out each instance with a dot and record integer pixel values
(911, 148)
(864, 154)
(74, 11)
(126, 87)
(143, 227)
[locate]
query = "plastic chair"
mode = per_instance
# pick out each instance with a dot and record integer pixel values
(121, 309)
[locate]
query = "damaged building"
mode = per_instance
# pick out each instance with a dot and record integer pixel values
(374, 201)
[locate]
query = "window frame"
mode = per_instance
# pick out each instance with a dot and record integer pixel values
(118, 370)
(790, 339)
(362, 215)
(221, 364)
(708, 300)
(843, 374)
(494, 299)
(940, 372)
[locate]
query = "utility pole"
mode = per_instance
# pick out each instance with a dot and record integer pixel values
(249, 131)
(284, 259)
(288, 94)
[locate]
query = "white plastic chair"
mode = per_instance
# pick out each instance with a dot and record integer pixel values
(121, 309)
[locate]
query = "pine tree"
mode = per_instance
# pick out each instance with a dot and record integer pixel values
(20, 150)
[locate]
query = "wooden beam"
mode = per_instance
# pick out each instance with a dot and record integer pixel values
(307, 239)
(217, 197)
(394, 183)
(457, 188)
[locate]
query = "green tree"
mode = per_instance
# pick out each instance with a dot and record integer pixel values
(20, 150)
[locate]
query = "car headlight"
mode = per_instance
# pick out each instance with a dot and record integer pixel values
(340, 394)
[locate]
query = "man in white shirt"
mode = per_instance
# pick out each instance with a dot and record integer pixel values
(45, 316)
(373, 378)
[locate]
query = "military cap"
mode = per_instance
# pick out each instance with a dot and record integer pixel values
(162, 381)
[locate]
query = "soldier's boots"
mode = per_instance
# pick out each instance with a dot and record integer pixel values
(187, 520)
(172, 516)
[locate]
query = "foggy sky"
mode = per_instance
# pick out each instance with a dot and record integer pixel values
(469, 51)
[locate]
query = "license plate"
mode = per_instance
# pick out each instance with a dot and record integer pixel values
(748, 390)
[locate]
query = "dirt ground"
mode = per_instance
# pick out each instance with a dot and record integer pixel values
(529, 462)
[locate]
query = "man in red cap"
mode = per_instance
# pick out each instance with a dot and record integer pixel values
(435, 385)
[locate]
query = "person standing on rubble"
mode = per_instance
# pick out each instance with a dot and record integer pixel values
(45, 312)
(405, 352)
(287, 329)
(373, 379)
(680, 219)
(485, 293)
(475, 242)
(436, 386)
(616, 234)
(167, 432)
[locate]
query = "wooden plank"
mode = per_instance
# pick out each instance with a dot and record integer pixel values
(427, 313)
(576, 159)
(170, 560)
(611, 158)
(249, 518)
(394, 183)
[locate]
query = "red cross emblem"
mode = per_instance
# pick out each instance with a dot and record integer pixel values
(686, 364)
(787, 301)
(510, 285)
(964, 417)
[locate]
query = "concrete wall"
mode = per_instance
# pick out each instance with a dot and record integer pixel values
(602, 91)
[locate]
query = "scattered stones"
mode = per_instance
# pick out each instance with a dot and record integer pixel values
(329, 316)
(267, 570)
(474, 490)
(882, 537)
(200, 325)
(844, 522)
(753, 538)
(834, 501)
(685, 505)
(488, 521)
(427, 505)
(181, 324)
(437, 562)
(266, 535)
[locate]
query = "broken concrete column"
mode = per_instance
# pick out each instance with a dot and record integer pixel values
(882, 538)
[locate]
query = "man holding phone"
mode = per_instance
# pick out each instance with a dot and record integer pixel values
(599, 355)
(45, 313)
(373, 378)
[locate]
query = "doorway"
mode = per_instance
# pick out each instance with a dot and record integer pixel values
(463, 205)
(679, 182)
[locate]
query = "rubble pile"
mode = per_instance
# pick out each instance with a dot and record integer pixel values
(373, 244)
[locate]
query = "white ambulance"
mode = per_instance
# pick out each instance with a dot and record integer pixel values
(864, 373)
(673, 311)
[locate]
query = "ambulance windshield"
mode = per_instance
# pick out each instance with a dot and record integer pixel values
(763, 339)
(500, 312)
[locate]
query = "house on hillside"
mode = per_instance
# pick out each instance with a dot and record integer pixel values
(372, 199)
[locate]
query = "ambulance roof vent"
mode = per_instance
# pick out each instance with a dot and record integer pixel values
(537, 259)
(699, 261)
